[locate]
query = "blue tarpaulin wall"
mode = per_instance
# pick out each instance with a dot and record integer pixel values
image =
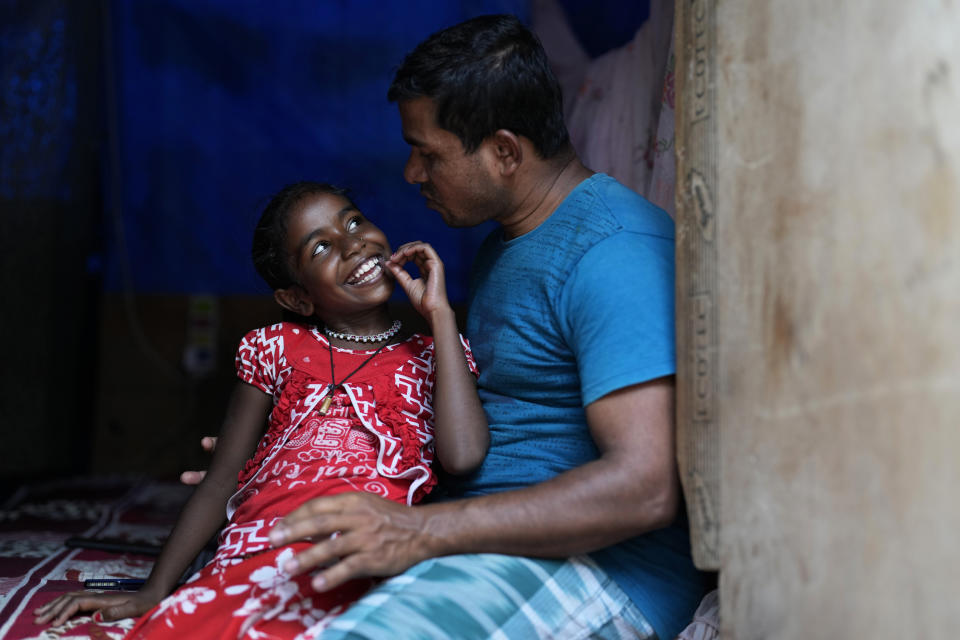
(216, 105)
(207, 107)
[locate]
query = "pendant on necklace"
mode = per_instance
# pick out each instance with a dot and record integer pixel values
(325, 405)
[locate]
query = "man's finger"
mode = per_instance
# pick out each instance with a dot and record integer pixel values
(192, 477)
(324, 552)
(325, 531)
(312, 519)
(339, 559)
(338, 573)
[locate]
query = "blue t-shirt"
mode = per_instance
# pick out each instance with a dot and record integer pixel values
(577, 308)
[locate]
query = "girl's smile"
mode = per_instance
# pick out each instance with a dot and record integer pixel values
(368, 271)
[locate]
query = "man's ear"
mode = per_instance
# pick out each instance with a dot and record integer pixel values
(507, 150)
(293, 299)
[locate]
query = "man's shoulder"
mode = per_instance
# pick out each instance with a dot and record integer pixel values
(623, 234)
(608, 202)
(600, 214)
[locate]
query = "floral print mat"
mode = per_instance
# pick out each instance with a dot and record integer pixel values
(45, 548)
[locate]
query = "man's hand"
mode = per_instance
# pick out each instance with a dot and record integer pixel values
(111, 606)
(361, 535)
(209, 443)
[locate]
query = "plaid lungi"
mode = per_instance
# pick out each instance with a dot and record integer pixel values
(494, 596)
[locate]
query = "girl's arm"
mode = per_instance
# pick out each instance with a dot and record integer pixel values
(462, 436)
(198, 522)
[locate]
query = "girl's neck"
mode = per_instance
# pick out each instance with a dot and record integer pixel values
(371, 323)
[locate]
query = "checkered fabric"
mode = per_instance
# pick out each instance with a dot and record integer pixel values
(498, 597)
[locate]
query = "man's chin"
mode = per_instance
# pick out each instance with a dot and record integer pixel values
(433, 204)
(449, 218)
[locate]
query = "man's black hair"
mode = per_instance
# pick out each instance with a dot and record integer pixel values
(486, 74)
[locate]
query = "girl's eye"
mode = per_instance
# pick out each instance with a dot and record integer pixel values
(354, 222)
(320, 247)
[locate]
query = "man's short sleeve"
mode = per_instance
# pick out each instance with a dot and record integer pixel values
(619, 313)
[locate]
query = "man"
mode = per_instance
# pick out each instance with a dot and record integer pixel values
(571, 321)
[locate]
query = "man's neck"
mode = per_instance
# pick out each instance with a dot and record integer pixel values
(548, 184)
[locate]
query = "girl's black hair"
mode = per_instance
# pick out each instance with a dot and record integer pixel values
(486, 74)
(269, 252)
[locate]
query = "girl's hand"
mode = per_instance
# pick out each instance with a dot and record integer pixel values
(428, 293)
(111, 606)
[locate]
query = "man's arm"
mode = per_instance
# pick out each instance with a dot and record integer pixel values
(630, 489)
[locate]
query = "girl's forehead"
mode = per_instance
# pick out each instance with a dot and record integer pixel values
(323, 201)
(319, 208)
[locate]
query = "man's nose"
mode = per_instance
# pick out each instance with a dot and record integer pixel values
(413, 171)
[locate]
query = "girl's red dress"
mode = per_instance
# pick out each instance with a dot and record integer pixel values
(377, 437)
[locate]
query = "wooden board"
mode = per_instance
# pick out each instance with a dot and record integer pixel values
(837, 215)
(696, 296)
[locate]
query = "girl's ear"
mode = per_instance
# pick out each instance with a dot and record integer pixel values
(293, 299)
(508, 151)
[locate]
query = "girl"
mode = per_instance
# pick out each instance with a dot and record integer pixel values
(352, 406)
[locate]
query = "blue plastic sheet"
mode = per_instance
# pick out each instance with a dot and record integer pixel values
(211, 106)
(219, 104)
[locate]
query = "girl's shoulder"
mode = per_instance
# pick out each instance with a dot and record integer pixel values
(423, 343)
(416, 351)
(279, 336)
(285, 328)
(416, 343)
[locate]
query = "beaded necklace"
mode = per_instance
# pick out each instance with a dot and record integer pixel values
(378, 337)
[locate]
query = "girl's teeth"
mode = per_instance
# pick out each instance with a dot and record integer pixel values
(368, 271)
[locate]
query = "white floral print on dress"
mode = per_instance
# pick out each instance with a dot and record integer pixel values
(272, 590)
(183, 601)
